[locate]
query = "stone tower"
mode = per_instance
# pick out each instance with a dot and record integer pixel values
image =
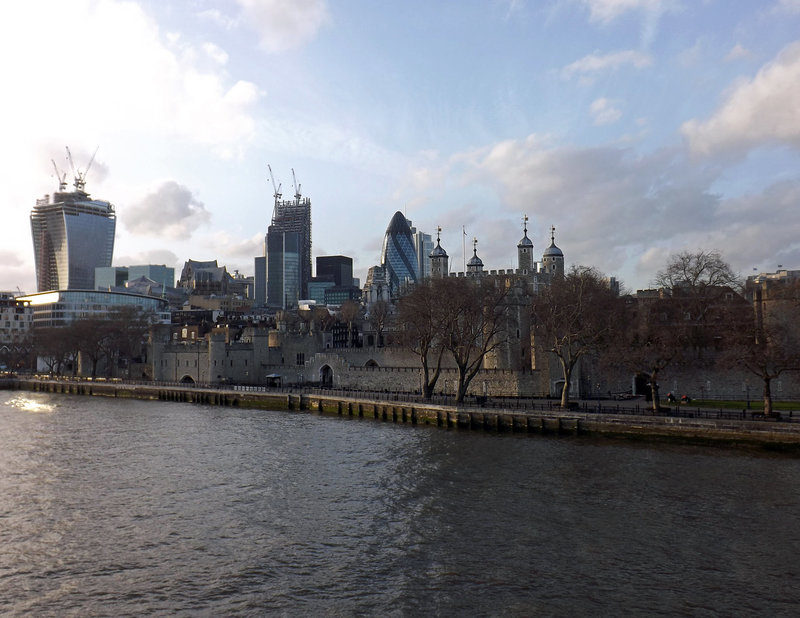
(438, 259)
(553, 258)
(525, 251)
(475, 264)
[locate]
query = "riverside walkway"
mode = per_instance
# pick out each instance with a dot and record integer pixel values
(631, 419)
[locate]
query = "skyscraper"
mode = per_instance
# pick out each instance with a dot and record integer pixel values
(72, 235)
(288, 252)
(338, 268)
(399, 255)
(423, 245)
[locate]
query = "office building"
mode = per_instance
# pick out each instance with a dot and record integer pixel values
(288, 252)
(108, 277)
(72, 235)
(423, 245)
(61, 307)
(337, 268)
(399, 255)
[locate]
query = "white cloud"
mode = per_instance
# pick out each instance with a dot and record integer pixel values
(606, 11)
(604, 112)
(215, 16)
(738, 52)
(155, 256)
(171, 211)
(281, 25)
(216, 53)
(788, 6)
(759, 111)
(133, 79)
(597, 63)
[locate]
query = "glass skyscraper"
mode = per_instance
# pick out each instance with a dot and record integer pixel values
(399, 255)
(72, 235)
(288, 253)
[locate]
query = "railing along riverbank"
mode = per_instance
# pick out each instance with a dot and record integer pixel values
(628, 419)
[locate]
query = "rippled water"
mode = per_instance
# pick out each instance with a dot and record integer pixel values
(112, 507)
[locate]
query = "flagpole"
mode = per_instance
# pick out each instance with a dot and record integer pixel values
(464, 246)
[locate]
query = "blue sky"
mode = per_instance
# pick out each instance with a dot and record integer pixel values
(638, 128)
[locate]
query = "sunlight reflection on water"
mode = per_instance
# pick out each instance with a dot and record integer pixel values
(31, 405)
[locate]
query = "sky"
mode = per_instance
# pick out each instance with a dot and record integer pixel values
(637, 128)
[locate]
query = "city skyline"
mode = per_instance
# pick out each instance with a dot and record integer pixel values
(637, 128)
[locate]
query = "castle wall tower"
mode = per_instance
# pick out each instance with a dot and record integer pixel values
(553, 258)
(475, 264)
(525, 251)
(438, 259)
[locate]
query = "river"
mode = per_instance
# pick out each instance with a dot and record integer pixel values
(117, 507)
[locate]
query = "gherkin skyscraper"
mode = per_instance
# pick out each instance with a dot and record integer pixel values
(399, 256)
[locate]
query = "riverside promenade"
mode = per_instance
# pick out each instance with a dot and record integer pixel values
(609, 419)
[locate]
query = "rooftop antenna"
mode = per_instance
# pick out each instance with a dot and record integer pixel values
(277, 194)
(80, 177)
(62, 176)
(297, 194)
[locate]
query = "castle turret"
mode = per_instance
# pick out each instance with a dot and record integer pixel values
(475, 264)
(438, 259)
(525, 251)
(553, 258)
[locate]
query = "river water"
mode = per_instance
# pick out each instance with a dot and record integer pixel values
(111, 507)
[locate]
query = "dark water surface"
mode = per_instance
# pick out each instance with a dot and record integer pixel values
(112, 507)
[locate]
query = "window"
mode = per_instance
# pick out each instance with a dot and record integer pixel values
(301, 358)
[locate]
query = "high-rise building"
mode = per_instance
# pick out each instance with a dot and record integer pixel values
(423, 245)
(288, 252)
(399, 255)
(284, 278)
(337, 267)
(72, 235)
(107, 277)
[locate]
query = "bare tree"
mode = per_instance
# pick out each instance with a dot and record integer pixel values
(349, 313)
(378, 316)
(698, 291)
(650, 341)
(573, 318)
(422, 328)
(765, 339)
(92, 338)
(476, 321)
(700, 283)
(56, 347)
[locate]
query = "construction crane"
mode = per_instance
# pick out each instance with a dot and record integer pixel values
(80, 177)
(297, 194)
(62, 176)
(277, 194)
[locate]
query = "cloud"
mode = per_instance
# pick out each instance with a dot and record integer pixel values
(171, 211)
(155, 256)
(788, 6)
(281, 25)
(605, 11)
(235, 247)
(738, 52)
(757, 112)
(597, 63)
(604, 112)
(139, 81)
(216, 53)
(609, 204)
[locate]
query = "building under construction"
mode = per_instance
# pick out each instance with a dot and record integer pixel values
(288, 250)
(72, 235)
